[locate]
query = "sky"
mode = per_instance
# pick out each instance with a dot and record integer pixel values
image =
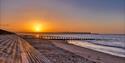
(97, 16)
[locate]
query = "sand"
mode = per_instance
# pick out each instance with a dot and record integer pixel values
(56, 54)
(92, 55)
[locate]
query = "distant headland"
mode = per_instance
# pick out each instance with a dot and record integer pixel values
(5, 32)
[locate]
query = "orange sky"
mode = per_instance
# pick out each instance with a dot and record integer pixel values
(62, 16)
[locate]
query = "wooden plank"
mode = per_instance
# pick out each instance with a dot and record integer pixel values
(14, 49)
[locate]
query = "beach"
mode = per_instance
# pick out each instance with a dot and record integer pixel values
(17, 50)
(59, 51)
(56, 54)
(93, 55)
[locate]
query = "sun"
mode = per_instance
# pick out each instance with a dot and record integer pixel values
(38, 28)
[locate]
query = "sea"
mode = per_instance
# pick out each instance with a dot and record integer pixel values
(113, 44)
(110, 44)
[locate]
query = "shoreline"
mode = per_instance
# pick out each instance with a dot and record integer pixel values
(88, 53)
(56, 54)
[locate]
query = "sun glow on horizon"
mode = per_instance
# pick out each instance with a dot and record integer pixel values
(38, 27)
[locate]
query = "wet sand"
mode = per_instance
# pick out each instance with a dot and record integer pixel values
(59, 51)
(96, 56)
(56, 54)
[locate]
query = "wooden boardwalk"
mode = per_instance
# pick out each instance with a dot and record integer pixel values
(14, 49)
